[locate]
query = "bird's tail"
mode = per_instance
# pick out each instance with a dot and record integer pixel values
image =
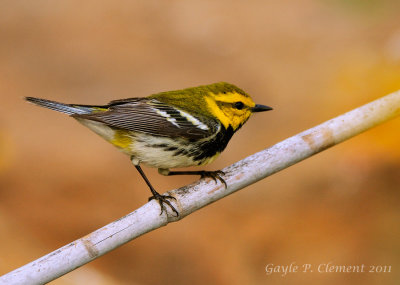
(60, 107)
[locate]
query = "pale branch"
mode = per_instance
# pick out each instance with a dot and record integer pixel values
(203, 192)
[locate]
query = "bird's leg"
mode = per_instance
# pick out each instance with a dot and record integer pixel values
(215, 175)
(160, 198)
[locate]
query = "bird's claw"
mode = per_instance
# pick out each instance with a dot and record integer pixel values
(214, 175)
(163, 199)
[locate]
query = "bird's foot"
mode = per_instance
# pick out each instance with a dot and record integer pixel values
(163, 199)
(214, 175)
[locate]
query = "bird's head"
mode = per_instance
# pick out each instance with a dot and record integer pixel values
(231, 105)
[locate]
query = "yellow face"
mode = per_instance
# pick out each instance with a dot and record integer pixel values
(231, 108)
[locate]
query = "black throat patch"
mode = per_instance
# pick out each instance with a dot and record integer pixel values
(216, 145)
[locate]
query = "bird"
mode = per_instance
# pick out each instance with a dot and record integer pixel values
(173, 129)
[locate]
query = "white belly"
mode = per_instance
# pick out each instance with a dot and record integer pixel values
(152, 152)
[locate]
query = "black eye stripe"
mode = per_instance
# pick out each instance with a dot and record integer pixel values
(238, 105)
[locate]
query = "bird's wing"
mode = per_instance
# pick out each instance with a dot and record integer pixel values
(153, 117)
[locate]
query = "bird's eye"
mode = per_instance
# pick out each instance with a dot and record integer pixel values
(238, 105)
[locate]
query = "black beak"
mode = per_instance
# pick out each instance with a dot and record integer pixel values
(260, 108)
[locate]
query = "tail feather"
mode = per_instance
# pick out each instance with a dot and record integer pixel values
(60, 107)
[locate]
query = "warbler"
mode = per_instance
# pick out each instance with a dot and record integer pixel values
(173, 129)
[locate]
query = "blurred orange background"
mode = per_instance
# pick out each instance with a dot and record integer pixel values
(310, 59)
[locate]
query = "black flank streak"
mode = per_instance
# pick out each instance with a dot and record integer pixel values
(171, 148)
(161, 145)
(182, 152)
